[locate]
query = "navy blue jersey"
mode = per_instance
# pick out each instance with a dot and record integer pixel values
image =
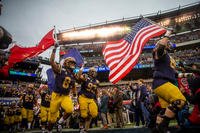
(28, 100)
(46, 98)
(89, 88)
(163, 71)
(64, 81)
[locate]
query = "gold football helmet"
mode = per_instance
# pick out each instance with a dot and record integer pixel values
(70, 63)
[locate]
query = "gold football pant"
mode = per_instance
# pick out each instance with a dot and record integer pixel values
(18, 118)
(9, 120)
(58, 101)
(27, 114)
(168, 93)
(44, 114)
(87, 107)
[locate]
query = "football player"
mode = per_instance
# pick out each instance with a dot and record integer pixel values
(170, 97)
(28, 101)
(88, 98)
(65, 82)
(45, 106)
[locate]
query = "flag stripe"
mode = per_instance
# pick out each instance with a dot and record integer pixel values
(110, 44)
(116, 58)
(129, 59)
(130, 62)
(116, 50)
(121, 56)
(134, 48)
(127, 49)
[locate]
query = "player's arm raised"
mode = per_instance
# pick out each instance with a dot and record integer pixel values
(56, 67)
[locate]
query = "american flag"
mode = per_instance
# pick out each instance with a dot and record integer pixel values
(121, 56)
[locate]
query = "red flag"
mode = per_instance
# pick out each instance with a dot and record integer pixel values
(46, 42)
(4, 70)
(19, 54)
(121, 56)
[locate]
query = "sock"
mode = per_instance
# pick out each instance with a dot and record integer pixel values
(29, 125)
(43, 128)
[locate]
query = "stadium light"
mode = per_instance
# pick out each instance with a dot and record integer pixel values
(104, 32)
(184, 17)
(165, 22)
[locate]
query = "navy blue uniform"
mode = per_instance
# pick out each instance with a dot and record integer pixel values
(163, 71)
(28, 100)
(64, 81)
(46, 98)
(89, 88)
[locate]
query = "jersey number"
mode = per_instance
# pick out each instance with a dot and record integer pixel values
(47, 98)
(66, 82)
(28, 98)
(91, 88)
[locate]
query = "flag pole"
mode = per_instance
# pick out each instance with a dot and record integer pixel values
(56, 43)
(55, 36)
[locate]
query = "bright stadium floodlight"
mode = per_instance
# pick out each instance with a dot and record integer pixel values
(165, 22)
(99, 42)
(95, 33)
(184, 17)
(107, 32)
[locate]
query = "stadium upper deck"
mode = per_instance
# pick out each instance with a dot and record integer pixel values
(182, 18)
(185, 20)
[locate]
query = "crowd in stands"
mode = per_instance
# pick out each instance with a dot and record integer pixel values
(10, 89)
(175, 38)
(188, 55)
(190, 36)
(146, 58)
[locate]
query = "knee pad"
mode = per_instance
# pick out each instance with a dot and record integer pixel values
(178, 104)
